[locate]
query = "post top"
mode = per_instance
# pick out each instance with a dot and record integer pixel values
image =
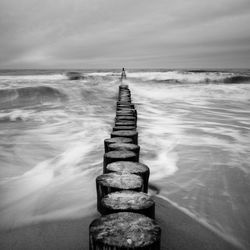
(125, 229)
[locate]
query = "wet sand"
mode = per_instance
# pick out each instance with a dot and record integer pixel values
(179, 231)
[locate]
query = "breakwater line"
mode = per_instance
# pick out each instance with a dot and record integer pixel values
(128, 212)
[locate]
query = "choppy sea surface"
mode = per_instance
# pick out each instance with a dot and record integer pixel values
(194, 133)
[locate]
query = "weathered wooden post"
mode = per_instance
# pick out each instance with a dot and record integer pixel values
(112, 182)
(130, 112)
(125, 123)
(128, 201)
(116, 128)
(118, 155)
(125, 118)
(126, 133)
(132, 168)
(124, 231)
(116, 140)
(127, 147)
(122, 196)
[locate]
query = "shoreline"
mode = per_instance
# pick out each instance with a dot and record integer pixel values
(179, 231)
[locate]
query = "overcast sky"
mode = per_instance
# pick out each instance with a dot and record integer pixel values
(130, 33)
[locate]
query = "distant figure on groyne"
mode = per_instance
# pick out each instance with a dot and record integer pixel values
(123, 75)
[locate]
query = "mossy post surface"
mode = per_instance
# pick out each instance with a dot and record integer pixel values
(118, 155)
(124, 90)
(130, 167)
(128, 201)
(122, 107)
(112, 182)
(125, 105)
(121, 190)
(125, 97)
(123, 85)
(116, 128)
(116, 140)
(126, 112)
(126, 146)
(132, 112)
(124, 231)
(125, 123)
(125, 93)
(126, 109)
(126, 133)
(125, 118)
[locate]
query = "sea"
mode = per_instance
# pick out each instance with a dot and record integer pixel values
(194, 134)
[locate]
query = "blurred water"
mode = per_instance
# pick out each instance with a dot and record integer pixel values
(193, 132)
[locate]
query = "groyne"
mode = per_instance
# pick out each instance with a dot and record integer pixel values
(127, 211)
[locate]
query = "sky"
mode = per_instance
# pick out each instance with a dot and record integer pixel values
(47, 34)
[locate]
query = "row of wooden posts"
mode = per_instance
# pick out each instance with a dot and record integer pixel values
(128, 212)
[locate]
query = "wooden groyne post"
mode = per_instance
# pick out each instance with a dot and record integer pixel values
(128, 212)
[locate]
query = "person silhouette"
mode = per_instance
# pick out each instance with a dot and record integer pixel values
(123, 75)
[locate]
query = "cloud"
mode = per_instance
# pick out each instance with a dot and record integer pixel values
(99, 33)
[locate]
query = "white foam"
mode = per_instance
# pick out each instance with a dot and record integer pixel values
(49, 77)
(190, 135)
(60, 156)
(181, 76)
(229, 238)
(15, 115)
(103, 74)
(51, 188)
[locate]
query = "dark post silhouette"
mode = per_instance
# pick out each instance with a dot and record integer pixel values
(128, 212)
(123, 75)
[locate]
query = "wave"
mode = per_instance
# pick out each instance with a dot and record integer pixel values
(237, 79)
(74, 75)
(15, 115)
(110, 73)
(32, 77)
(16, 97)
(167, 76)
(195, 76)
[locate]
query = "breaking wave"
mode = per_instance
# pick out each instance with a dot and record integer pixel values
(110, 73)
(41, 77)
(15, 115)
(191, 77)
(194, 137)
(29, 96)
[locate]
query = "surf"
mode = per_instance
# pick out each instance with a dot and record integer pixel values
(191, 76)
(26, 96)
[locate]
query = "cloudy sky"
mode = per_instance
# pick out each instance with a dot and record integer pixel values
(130, 33)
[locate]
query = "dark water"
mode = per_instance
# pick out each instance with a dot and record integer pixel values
(194, 129)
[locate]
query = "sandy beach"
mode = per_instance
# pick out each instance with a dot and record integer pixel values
(179, 231)
(196, 145)
(185, 100)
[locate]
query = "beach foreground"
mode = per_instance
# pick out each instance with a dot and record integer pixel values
(179, 231)
(194, 131)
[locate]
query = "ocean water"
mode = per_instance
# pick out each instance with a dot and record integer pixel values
(194, 133)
